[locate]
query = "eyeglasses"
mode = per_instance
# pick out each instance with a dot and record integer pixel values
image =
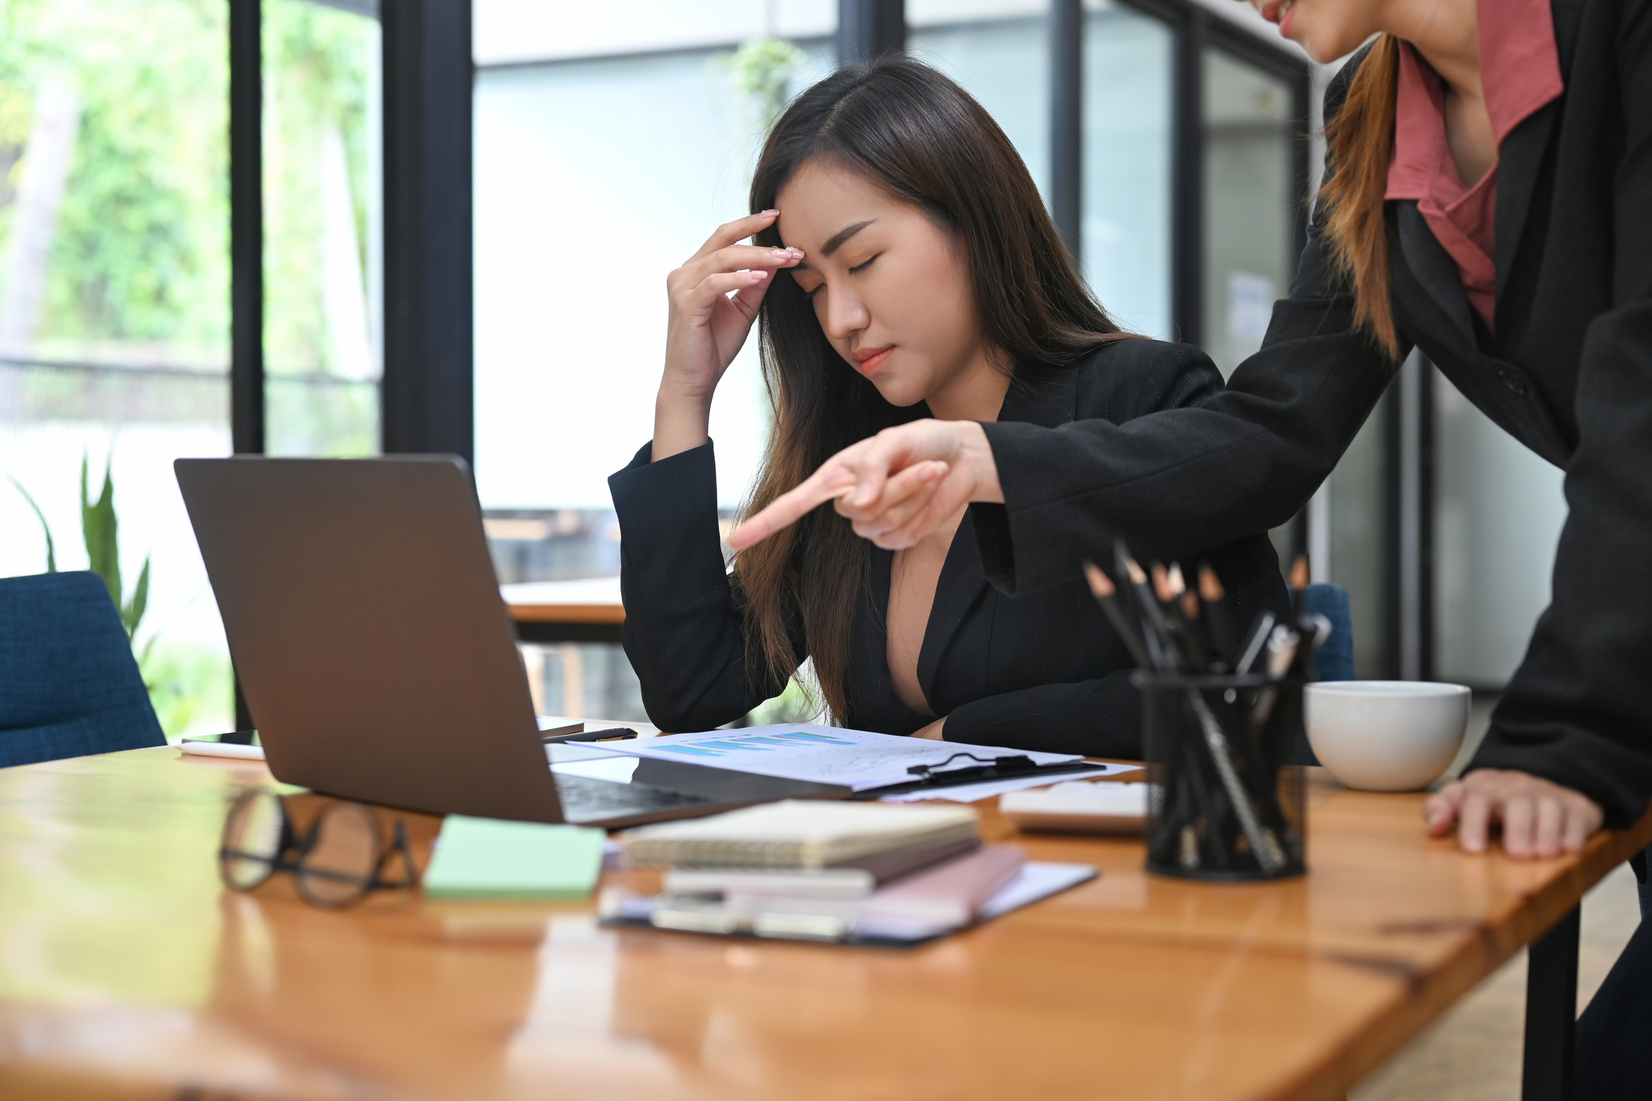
(337, 862)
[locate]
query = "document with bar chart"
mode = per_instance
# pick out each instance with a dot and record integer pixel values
(857, 759)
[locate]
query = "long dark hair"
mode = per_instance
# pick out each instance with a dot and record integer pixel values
(915, 132)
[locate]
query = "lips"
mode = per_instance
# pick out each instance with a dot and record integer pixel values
(1277, 11)
(871, 360)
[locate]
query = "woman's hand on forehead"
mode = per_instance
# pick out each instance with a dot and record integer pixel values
(714, 298)
(895, 487)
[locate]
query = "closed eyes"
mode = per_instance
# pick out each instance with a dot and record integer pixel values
(856, 270)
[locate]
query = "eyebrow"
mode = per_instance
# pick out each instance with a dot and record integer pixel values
(843, 235)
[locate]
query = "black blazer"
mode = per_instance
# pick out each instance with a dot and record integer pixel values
(1041, 671)
(1569, 374)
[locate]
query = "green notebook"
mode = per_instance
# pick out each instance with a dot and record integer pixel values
(484, 858)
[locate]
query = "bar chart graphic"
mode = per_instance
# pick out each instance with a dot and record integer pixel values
(768, 742)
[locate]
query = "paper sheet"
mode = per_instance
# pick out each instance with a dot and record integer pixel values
(1037, 880)
(974, 793)
(857, 759)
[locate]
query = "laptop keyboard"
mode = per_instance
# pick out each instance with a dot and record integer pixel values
(586, 800)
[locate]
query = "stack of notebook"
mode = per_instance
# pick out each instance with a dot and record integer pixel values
(819, 870)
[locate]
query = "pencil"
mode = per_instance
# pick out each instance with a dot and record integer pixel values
(1156, 632)
(1299, 585)
(1176, 588)
(1106, 595)
(1219, 614)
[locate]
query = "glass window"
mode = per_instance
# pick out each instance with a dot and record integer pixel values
(1128, 138)
(999, 50)
(1249, 199)
(1359, 545)
(1498, 511)
(610, 142)
(594, 180)
(322, 250)
(114, 306)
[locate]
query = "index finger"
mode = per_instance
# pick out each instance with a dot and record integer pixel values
(787, 509)
(738, 230)
(1441, 808)
(1473, 822)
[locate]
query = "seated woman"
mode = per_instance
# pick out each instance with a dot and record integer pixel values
(904, 267)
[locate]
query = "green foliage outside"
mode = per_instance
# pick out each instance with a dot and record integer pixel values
(139, 265)
(760, 73)
(319, 70)
(141, 253)
(316, 79)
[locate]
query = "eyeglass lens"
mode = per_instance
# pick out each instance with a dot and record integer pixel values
(339, 863)
(252, 840)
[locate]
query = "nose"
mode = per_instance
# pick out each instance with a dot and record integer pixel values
(842, 314)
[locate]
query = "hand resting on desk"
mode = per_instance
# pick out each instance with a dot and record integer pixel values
(1539, 817)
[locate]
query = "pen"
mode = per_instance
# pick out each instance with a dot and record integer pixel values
(1283, 645)
(1259, 632)
(608, 734)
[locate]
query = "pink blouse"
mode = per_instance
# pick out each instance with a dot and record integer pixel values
(1520, 72)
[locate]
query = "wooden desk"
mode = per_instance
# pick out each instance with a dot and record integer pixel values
(588, 610)
(125, 971)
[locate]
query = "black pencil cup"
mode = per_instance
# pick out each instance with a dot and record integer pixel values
(1223, 803)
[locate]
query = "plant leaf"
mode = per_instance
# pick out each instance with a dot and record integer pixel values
(132, 614)
(148, 649)
(51, 547)
(98, 527)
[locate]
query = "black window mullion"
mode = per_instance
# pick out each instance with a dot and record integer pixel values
(1067, 121)
(869, 28)
(429, 310)
(246, 220)
(1187, 179)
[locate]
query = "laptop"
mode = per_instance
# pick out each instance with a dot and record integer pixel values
(379, 661)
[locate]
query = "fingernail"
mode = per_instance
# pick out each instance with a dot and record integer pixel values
(758, 275)
(782, 254)
(766, 213)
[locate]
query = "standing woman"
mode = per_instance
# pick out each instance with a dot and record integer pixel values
(1488, 199)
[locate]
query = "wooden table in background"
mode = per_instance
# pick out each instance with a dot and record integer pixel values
(587, 610)
(126, 971)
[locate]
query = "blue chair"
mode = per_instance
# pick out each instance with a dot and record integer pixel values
(1335, 660)
(69, 685)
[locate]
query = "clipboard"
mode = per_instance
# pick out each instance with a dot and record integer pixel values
(985, 770)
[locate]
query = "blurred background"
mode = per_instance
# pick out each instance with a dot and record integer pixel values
(218, 216)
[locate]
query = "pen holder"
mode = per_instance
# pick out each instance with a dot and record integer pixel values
(1223, 803)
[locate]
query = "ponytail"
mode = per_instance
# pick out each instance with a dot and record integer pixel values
(1360, 143)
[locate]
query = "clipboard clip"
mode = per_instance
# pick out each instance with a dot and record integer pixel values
(990, 768)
